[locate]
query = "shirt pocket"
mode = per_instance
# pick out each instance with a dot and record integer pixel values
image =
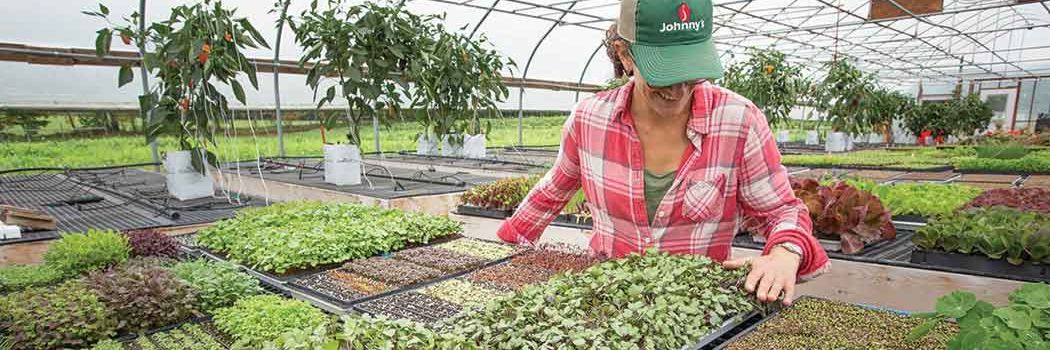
(704, 199)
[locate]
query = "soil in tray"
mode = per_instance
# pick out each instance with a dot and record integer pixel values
(1007, 179)
(440, 258)
(411, 305)
(816, 324)
(510, 276)
(553, 260)
(392, 271)
(342, 285)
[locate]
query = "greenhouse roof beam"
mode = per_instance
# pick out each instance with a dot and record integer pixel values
(548, 19)
(965, 35)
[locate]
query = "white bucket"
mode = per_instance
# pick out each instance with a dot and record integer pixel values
(474, 146)
(342, 165)
(10, 232)
(426, 145)
(837, 142)
(875, 138)
(812, 137)
(184, 182)
(783, 136)
(448, 149)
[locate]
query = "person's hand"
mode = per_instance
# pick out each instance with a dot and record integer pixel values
(770, 274)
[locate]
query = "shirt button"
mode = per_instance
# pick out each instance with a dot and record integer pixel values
(661, 213)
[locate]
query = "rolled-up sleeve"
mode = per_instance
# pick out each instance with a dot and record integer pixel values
(766, 196)
(547, 199)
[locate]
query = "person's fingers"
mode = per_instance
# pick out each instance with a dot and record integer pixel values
(735, 263)
(789, 293)
(752, 280)
(774, 289)
(763, 287)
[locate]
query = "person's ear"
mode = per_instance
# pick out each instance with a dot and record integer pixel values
(624, 53)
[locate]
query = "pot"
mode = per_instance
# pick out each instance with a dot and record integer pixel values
(183, 181)
(342, 165)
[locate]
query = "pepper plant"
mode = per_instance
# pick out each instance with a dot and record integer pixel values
(841, 94)
(768, 80)
(364, 48)
(883, 107)
(197, 46)
(458, 77)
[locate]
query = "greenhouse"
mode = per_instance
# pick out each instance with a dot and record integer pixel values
(525, 174)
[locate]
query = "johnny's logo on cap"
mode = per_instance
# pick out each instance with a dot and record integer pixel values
(683, 21)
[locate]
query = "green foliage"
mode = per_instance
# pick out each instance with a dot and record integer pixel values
(66, 316)
(295, 235)
(143, 296)
(30, 122)
(883, 106)
(768, 80)
(1033, 162)
(1001, 150)
(19, 277)
(855, 216)
(108, 344)
(956, 117)
(462, 292)
(361, 46)
(914, 159)
(76, 253)
(841, 95)
(1023, 324)
(655, 301)
(196, 45)
(216, 284)
(503, 194)
(996, 232)
(255, 320)
(920, 199)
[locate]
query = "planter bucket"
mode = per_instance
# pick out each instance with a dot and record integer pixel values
(184, 182)
(10, 232)
(812, 137)
(783, 136)
(426, 145)
(342, 165)
(837, 142)
(448, 149)
(875, 138)
(474, 146)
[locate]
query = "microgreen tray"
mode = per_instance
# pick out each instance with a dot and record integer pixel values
(980, 263)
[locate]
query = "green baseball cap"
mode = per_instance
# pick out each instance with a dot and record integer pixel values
(671, 39)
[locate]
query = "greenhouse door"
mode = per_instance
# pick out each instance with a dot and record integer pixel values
(1003, 103)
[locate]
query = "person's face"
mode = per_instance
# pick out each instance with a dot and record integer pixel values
(664, 100)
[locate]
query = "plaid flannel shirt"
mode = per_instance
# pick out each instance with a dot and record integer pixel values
(733, 170)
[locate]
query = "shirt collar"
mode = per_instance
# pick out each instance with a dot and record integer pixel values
(702, 101)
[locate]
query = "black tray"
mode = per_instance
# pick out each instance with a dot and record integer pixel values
(562, 220)
(997, 267)
(471, 210)
(911, 219)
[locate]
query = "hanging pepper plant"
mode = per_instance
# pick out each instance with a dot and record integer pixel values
(841, 94)
(198, 46)
(770, 81)
(364, 48)
(458, 78)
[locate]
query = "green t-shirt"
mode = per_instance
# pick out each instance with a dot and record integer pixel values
(656, 187)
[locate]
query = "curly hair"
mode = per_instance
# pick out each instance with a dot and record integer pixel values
(612, 35)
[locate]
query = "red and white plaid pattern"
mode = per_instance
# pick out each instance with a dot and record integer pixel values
(736, 172)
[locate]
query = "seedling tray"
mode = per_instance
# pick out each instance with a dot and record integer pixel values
(727, 328)
(348, 304)
(562, 220)
(881, 250)
(931, 169)
(984, 265)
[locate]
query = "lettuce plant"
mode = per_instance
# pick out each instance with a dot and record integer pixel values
(503, 194)
(1023, 324)
(216, 284)
(997, 232)
(920, 199)
(143, 297)
(152, 243)
(298, 235)
(76, 253)
(253, 321)
(839, 210)
(1035, 199)
(66, 316)
(19, 277)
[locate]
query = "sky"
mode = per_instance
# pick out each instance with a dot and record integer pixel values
(562, 56)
